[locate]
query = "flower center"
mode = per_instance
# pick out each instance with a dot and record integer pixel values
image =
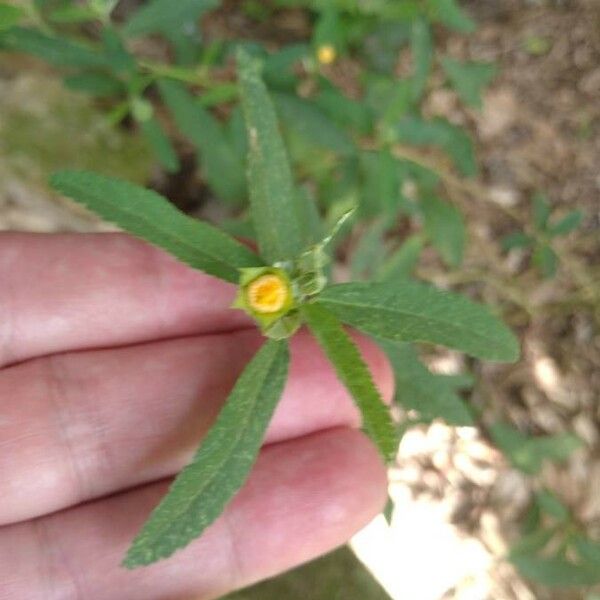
(267, 294)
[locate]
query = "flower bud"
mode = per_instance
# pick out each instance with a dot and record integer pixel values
(266, 294)
(326, 54)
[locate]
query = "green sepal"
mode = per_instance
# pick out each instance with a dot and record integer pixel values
(285, 326)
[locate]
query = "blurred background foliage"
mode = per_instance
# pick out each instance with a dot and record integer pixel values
(468, 136)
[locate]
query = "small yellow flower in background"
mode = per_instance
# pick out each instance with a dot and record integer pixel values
(267, 294)
(326, 54)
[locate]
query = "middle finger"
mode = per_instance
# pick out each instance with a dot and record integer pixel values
(83, 425)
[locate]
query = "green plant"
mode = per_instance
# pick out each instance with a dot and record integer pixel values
(555, 550)
(348, 149)
(282, 287)
(542, 235)
(529, 453)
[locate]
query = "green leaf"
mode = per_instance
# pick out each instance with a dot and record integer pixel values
(414, 312)
(469, 79)
(95, 83)
(454, 140)
(220, 164)
(515, 240)
(221, 465)
(397, 98)
(308, 121)
(60, 52)
(355, 375)
(276, 210)
(148, 215)
(532, 520)
(280, 67)
(432, 396)
(551, 505)
(556, 447)
(568, 223)
(370, 250)
(422, 53)
(160, 143)
(556, 571)
(445, 227)
(219, 94)
(118, 57)
(236, 133)
(402, 262)
(545, 259)
(166, 16)
(10, 15)
(381, 183)
(381, 47)
(344, 111)
(312, 227)
(73, 14)
(588, 550)
(388, 511)
(516, 447)
(328, 29)
(529, 453)
(533, 542)
(541, 211)
(451, 15)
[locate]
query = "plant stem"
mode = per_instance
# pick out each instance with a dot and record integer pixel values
(178, 73)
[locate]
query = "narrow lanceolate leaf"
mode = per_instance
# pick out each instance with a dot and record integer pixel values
(567, 224)
(309, 122)
(220, 164)
(422, 56)
(451, 15)
(57, 51)
(432, 396)
(222, 463)
(95, 83)
(469, 79)
(166, 16)
(355, 375)
(148, 215)
(528, 453)
(402, 262)
(160, 143)
(439, 132)
(276, 211)
(415, 312)
(445, 226)
(556, 571)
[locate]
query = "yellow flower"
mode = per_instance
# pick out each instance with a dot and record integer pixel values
(267, 294)
(326, 54)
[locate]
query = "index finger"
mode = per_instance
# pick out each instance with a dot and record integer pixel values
(77, 291)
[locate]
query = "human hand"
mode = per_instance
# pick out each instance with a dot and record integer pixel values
(114, 361)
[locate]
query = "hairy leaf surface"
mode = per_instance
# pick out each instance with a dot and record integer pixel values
(148, 215)
(221, 465)
(355, 375)
(409, 311)
(275, 207)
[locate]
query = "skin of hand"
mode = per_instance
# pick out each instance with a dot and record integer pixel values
(114, 361)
